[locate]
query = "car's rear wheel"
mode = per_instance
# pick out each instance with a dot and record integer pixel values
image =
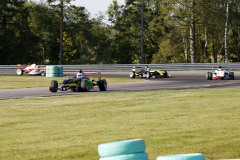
(84, 85)
(43, 74)
(53, 86)
(103, 85)
(132, 74)
(19, 72)
(78, 89)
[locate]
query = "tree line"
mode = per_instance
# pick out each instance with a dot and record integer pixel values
(174, 31)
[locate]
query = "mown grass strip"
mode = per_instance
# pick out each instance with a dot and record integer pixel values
(171, 122)
(12, 82)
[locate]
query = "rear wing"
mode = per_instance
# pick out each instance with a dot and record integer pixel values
(96, 73)
(19, 66)
(137, 67)
(217, 67)
(134, 68)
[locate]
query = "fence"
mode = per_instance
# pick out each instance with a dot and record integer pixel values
(128, 67)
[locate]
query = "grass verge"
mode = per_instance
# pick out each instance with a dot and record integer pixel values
(171, 122)
(12, 82)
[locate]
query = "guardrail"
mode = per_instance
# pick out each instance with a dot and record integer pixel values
(128, 67)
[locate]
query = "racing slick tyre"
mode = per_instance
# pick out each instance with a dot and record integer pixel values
(132, 74)
(103, 85)
(165, 74)
(53, 86)
(138, 156)
(231, 75)
(112, 149)
(191, 156)
(19, 72)
(78, 89)
(209, 76)
(148, 75)
(43, 74)
(84, 85)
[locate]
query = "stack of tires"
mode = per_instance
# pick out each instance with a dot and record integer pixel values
(123, 150)
(54, 71)
(60, 71)
(191, 156)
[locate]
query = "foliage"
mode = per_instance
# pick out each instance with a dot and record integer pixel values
(30, 32)
(16, 38)
(167, 26)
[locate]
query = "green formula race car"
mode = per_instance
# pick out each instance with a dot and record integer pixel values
(79, 84)
(146, 72)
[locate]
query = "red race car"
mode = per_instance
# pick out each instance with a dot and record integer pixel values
(31, 69)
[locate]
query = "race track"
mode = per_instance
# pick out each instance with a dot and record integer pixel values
(180, 80)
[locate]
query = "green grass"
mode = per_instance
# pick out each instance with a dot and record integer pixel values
(171, 122)
(12, 82)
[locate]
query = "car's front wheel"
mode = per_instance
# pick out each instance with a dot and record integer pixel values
(165, 74)
(209, 76)
(53, 86)
(148, 75)
(132, 74)
(231, 75)
(103, 85)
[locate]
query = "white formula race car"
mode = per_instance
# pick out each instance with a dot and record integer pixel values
(220, 74)
(31, 69)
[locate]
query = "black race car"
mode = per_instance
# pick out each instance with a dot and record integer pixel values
(146, 72)
(78, 84)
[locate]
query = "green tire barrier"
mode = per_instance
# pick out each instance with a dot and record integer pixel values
(51, 75)
(54, 71)
(60, 71)
(121, 148)
(191, 156)
(51, 71)
(137, 156)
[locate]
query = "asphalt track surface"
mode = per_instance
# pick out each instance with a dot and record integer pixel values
(180, 80)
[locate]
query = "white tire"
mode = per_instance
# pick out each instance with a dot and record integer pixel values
(191, 156)
(121, 148)
(136, 156)
(19, 72)
(148, 75)
(132, 74)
